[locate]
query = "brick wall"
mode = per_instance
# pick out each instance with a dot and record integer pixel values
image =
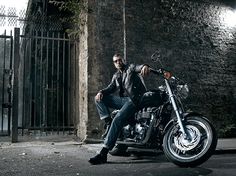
(197, 42)
(194, 38)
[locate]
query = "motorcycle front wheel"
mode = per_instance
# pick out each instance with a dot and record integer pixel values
(194, 150)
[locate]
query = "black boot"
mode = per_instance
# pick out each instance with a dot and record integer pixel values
(101, 158)
(107, 125)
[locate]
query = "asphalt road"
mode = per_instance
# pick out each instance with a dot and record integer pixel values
(71, 159)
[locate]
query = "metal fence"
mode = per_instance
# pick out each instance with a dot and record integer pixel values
(6, 50)
(36, 93)
(13, 17)
(46, 82)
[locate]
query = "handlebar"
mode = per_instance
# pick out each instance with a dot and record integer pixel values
(159, 71)
(166, 74)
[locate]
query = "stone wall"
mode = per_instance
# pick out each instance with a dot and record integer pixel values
(104, 36)
(196, 41)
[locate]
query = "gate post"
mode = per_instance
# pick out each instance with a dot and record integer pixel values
(15, 102)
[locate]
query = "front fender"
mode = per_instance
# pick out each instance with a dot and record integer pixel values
(169, 124)
(188, 114)
(185, 115)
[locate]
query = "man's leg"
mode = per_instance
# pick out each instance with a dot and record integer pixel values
(118, 122)
(108, 101)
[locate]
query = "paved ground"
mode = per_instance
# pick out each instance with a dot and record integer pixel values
(63, 156)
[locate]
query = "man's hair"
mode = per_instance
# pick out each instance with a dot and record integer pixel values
(118, 55)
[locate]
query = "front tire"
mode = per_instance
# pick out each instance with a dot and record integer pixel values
(194, 151)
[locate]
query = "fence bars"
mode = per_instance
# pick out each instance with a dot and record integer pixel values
(6, 49)
(15, 102)
(47, 60)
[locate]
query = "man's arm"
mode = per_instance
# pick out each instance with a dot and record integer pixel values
(110, 88)
(144, 69)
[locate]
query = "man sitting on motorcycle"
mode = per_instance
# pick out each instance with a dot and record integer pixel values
(131, 88)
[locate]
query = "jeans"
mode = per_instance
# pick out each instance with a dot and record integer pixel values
(126, 110)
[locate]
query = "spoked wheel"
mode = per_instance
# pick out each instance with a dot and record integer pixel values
(196, 148)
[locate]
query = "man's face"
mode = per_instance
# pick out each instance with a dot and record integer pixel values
(118, 62)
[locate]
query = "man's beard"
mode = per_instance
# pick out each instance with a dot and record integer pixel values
(121, 67)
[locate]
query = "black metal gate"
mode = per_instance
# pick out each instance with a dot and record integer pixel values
(46, 82)
(35, 73)
(6, 50)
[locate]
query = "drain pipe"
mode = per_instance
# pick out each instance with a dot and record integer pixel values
(124, 31)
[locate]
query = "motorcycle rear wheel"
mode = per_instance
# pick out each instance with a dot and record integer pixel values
(194, 151)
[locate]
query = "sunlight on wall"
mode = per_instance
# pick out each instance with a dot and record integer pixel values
(228, 17)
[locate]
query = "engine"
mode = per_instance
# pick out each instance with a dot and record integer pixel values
(137, 131)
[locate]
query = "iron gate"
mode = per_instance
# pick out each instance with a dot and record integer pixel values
(41, 93)
(35, 73)
(46, 82)
(6, 50)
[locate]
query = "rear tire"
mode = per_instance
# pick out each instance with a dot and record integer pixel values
(193, 152)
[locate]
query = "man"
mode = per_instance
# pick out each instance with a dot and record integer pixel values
(131, 88)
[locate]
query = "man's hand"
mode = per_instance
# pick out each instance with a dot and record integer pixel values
(99, 96)
(145, 70)
(167, 75)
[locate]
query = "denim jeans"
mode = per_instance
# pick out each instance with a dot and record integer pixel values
(126, 110)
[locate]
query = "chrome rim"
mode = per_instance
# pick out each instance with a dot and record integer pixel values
(198, 142)
(193, 140)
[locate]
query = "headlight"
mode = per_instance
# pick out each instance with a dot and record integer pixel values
(183, 91)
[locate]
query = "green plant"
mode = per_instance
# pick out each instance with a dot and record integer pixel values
(75, 8)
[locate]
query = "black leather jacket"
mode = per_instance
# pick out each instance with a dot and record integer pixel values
(130, 81)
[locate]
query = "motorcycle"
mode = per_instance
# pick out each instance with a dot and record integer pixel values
(187, 138)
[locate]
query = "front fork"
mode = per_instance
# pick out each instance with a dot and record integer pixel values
(182, 128)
